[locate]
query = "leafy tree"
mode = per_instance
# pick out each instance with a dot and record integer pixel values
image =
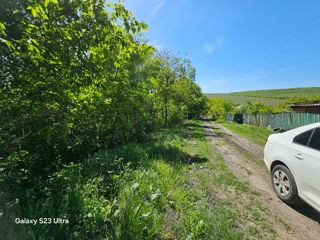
(218, 108)
(76, 77)
(175, 88)
(257, 107)
(65, 66)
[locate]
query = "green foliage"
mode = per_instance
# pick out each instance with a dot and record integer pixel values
(76, 78)
(62, 84)
(285, 106)
(118, 193)
(257, 107)
(175, 94)
(218, 108)
(274, 97)
(220, 104)
(136, 191)
(303, 99)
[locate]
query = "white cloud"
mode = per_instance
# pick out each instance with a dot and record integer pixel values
(157, 45)
(156, 9)
(219, 81)
(219, 41)
(210, 85)
(209, 48)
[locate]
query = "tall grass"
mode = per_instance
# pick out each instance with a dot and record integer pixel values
(152, 190)
(115, 194)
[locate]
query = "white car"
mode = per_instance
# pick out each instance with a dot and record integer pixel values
(293, 158)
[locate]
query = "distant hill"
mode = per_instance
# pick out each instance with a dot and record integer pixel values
(281, 93)
(269, 97)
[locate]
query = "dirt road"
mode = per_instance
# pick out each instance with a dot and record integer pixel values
(298, 223)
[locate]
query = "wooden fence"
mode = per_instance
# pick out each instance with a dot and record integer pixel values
(285, 121)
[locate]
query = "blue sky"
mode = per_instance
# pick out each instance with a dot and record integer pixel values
(239, 45)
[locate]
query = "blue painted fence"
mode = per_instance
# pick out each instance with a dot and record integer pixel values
(286, 121)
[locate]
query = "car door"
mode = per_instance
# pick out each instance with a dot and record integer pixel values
(306, 158)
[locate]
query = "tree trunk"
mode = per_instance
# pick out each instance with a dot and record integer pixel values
(113, 131)
(165, 112)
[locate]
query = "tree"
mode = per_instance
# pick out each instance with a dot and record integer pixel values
(75, 78)
(65, 67)
(218, 108)
(175, 86)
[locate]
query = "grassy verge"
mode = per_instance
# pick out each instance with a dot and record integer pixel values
(256, 134)
(224, 194)
(170, 187)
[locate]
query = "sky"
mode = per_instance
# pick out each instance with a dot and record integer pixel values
(238, 45)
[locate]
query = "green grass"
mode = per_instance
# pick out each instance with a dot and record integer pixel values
(269, 97)
(281, 93)
(238, 99)
(174, 186)
(255, 134)
(191, 214)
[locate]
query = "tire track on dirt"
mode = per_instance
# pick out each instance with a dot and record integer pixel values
(303, 220)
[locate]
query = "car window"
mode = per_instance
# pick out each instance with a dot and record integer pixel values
(303, 138)
(315, 140)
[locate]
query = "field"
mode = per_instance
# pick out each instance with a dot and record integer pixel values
(281, 93)
(237, 99)
(268, 97)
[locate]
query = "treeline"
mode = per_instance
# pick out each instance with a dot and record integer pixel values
(77, 83)
(218, 108)
(76, 77)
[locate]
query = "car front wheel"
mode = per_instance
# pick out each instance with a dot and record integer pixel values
(284, 185)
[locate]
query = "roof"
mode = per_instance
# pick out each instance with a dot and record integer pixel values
(313, 104)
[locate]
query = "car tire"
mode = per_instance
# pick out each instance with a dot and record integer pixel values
(284, 185)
